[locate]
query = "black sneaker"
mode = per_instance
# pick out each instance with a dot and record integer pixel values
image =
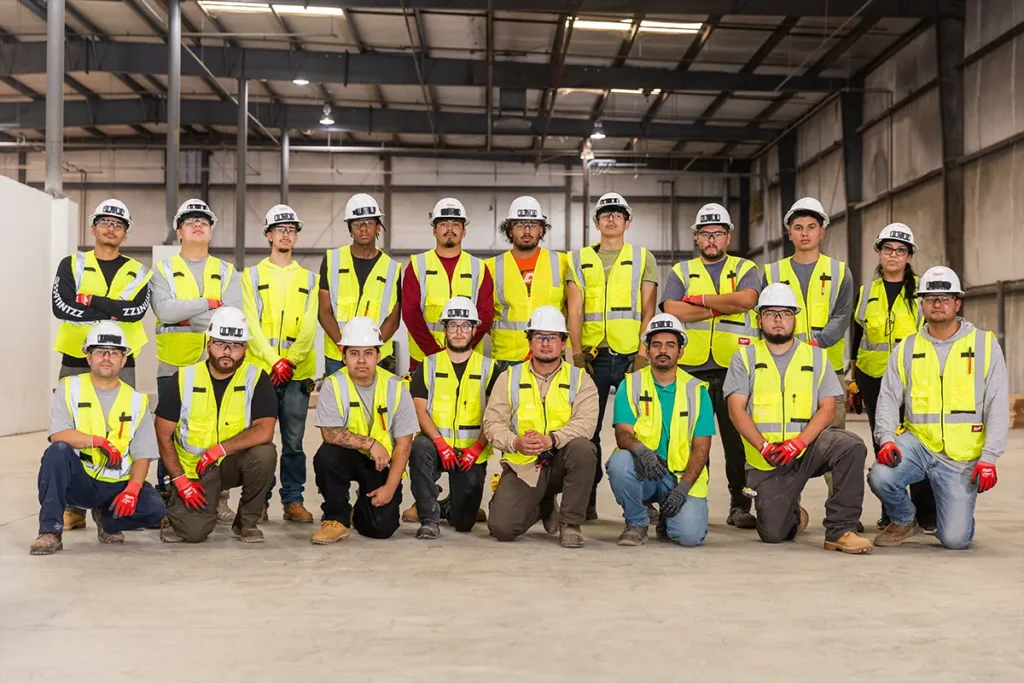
(429, 531)
(741, 519)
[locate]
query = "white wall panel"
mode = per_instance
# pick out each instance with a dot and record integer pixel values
(994, 96)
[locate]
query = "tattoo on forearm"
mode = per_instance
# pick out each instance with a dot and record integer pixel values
(339, 436)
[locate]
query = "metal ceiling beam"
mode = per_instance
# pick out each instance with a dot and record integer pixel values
(557, 45)
(421, 39)
(620, 60)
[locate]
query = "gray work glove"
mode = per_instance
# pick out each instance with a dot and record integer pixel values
(649, 464)
(673, 502)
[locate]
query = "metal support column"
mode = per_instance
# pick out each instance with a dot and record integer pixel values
(567, 223)
(673, 220)
(787, 184)
(22, 166)
(1001, 313)
(285, 167)
(743, 225)
(173, 113)
(586, 201)
(949, 35)
(54, 97)
(204, 176)
(851, 105)
(387, 201)
(241, 165)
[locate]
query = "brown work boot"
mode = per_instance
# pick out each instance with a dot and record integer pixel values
(411, 515)
(570, 536)
(804, 517)
(264, 516)
(895, 534)
(741, 519)
(481, 515)
(103, 536)
(73, 520)
(47, 544)
(549, 516)
(167, 532)
(633, 535)
(247, 534)
(330, 532)
(296, 512)
(851, 544)
(653, 514)
(225, 515)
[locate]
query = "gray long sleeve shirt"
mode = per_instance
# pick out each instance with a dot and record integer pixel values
(839, 321)
(995, 413)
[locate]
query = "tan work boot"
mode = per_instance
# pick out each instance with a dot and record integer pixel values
(570, 536)
(481, 515)
(225, 515)
(895, 534)
(247, 534)
(46, 544)
(550, 520)
(633, 536)
(103, 536)
(804, 517)
(411, 515)
(296, 512)
(330, 532)
(73, 520)
(264, 516)
(851, 544)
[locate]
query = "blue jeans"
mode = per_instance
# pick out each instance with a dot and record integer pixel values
(688, 527)
(609, 370)
(331, 366)
(501, 366)
(292, 407)
(63, 482)
(954, 493)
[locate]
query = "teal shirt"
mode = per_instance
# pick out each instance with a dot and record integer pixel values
(667, 398)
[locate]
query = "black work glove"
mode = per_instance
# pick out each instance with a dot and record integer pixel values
(673, 502)
(648, 463)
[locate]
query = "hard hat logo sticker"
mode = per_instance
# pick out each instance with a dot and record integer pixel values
(232, 332)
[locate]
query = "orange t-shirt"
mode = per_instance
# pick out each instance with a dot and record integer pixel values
(526, 268)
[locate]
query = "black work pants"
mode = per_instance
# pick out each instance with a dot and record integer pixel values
(335, 469)
(732, 442)
(467, 488)
(609, 369)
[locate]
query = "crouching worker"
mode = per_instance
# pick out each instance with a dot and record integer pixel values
(215, 428)
(101, 442)
(541, 415)
(663, 428)
(367, 421)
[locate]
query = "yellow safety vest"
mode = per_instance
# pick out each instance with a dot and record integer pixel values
(178, 344)
(130, 278)
(545, 414)
(823, 292)
(513, 305)
(203, 424)
(281, 327)
(611, 308)
(781, 412)
(376, 301)
(643, 401)
(457, 406)
(118, 427)
(884, 327)
(436, 290)
(386, 395)
(720, 337)
(944, 407)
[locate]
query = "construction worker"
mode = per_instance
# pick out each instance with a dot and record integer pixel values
(525, 277)
(215, 429)
(100, 284)
(714, 295)
(542, 418)
(782, 395)
(950, 378)
(101, 442)
(887, 313)
(612, 297)
(367, 421)
(435, 276)
(359, 279)
(183, 307)
(281, 306)
(663, 427)
(450, 390)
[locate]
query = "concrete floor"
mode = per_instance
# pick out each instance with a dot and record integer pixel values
(466, 608)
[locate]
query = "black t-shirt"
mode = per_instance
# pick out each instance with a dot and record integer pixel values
(362, 266)
(109, 269)
(264, 398)
(418, 385)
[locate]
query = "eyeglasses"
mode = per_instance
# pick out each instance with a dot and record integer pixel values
(717, 235)
(936, 299)
(527, 225)
(778, 314)
(228, 346)
(106, 352)
(363, 224)
(284, 230)
(195, 220)
(546, 338)
(612, 215)
(899, 251)
(459, 327)
(109, 223)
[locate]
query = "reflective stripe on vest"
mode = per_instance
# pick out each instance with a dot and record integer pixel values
(513, 305)
(376, 299)
(281, 328)
(436, 289)
(87, 415)
(884, 326)
(386, 396)
(177, 344)
(456, 406)
(717, 338)
(611, 308)
(820, 303)
(530, 411)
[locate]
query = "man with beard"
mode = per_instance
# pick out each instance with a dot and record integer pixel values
(101, 442)
(281, 304)
(663, 426)
(542, 417)
(450, 391)
(951, 378)
(215, 430)
(782, 397)
(359, 279)
(713, 296)
(435, 276)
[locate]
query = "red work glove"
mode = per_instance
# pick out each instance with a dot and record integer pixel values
(770, 451)
(469, 456)
(212, 304)
(192, 493)
(110, 450)
(984, 475)
(715, 313)
(210, 457)
(788, 450)
(814, 342)
(282, 372)
(695, 300)
(84, 299)
(125, 502)
(889, 454)
(446, 453)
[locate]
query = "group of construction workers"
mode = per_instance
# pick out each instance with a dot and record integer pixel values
(764, 354)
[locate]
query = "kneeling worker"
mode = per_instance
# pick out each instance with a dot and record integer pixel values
(663, 427)
(101, 442)
(215, 428)
(367, 421)
(542, 417)
(782, 397)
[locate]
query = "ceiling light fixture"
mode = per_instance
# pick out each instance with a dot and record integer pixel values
(307, 11)
(634, 91)
(327, 119)
(300, 81)
(265, 8)
(646, 26)
(598, 132)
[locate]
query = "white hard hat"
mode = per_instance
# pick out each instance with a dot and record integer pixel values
(113, 208)
(449, 208)
(281, 213)
(712, 214)
(809, 204)
(612, 200)
(526, 209)
(547, 319)
(777, 295)
(939, 280)
(361, 206)
(105, 333)
(192, 206)
(896, 232)
(460, 308)
(228, 324)
(665, 322)
(361, 331)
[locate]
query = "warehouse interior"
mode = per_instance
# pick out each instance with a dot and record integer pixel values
(886, 111)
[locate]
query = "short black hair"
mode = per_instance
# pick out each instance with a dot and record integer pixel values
(804, 213)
